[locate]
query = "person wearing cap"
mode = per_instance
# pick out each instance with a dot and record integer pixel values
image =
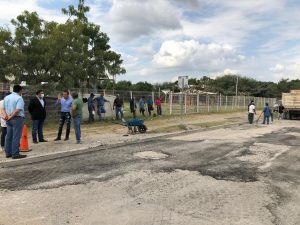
(91, 107)
(13, 109)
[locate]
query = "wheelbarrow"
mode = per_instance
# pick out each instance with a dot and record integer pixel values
(135, 125)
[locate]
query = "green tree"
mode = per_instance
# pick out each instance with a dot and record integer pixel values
(71, 54)
(143, 86)
(5, 52)
(124, 85)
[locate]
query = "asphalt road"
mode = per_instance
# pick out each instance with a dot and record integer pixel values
(238, 175)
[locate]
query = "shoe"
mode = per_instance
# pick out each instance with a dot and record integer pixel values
(8, 156)
(43, 141)
(66, 139)
(78, 142)
(35, 142)
(19, 157)
(57, 139)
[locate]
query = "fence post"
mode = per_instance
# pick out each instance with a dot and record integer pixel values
(220, 102)
(232, 103)
(153, 96)
(226, 100)
(208, 103)
(185, 100)
(104, 92)
(130, 94)
(217, 102)
(171, 102)
(198, 99)
(244, 101)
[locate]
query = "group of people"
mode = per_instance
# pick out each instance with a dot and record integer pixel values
(97, 105)
(12, 110)
(267, 112)
(142, 103)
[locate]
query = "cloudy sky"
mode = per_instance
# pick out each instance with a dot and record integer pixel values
(161, 39)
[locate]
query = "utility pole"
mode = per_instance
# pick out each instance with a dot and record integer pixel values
(236, 86)
(236, 89)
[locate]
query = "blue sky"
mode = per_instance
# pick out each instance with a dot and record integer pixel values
(162, 39)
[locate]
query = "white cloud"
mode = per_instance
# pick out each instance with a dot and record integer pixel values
(288, 70)
(132, 19)
(226, 71)
(11, 9)
(279, 68)
(197, 55)
(146, 50)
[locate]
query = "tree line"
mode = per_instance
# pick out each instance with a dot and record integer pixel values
(225, 85)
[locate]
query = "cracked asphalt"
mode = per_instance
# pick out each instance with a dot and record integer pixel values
(235, 175)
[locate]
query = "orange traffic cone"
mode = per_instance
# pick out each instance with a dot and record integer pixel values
(24, 141)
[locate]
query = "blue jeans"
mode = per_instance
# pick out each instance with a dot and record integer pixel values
(266, 118)
(64, 117)
(119, 111)
(159, 111)
(77, 122)
(13, 136)
(37, 128)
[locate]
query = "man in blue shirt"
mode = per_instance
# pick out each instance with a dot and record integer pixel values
(65, 114)
(267, 113)
(14, 115)
(101, 105)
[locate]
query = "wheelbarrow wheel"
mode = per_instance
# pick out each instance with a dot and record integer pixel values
(142, 129)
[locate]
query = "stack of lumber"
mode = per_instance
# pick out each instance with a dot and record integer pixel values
(292, 99)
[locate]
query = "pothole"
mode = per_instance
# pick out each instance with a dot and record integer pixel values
(151, 155)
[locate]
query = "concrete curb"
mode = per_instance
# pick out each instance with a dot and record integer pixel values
(58, 155)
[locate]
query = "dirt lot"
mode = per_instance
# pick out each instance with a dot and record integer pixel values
(242, 174)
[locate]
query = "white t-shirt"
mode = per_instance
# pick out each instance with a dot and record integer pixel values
(3, 122)
(251, 108)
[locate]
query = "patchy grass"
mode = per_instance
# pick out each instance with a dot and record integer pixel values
(164, 123)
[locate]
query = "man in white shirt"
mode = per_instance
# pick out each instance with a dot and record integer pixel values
(3, 125)
(251, 112)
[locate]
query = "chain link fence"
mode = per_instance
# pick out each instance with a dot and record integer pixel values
(172, 103)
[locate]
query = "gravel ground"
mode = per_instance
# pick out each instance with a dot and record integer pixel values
(237, 175)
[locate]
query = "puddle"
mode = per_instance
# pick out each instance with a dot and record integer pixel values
(151, 155)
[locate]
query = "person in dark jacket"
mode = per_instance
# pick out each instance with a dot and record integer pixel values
(37, 110)
(133, 106)
(118, 106)
(91, 107)
(280, 111)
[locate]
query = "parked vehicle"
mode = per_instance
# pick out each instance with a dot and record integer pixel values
(291, 102)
